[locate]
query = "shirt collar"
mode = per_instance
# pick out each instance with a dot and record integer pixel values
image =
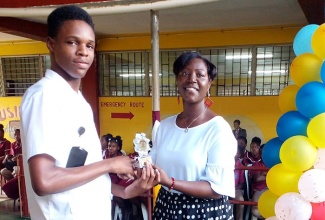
(62, 83)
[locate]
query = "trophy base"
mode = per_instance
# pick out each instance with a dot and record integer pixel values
(143, 160)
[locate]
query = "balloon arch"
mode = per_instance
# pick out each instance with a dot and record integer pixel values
(296, 158)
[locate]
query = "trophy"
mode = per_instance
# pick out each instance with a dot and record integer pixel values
(142, 147)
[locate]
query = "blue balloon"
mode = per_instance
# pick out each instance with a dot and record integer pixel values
(302, 40)
(310, 99)
(270, 152)
(290, 124)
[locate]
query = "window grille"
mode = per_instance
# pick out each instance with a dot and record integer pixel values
(242, 71)
(19, 73)
(262, 70)
(272, 73)
(123, 74)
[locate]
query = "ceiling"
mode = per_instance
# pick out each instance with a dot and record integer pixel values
(21, 20)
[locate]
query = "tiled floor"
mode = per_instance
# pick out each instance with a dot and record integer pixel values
(6, 209)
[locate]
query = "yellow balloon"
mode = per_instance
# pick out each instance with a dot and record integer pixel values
(315, 130)
(317, 41)
(281, 180)
(306, 68)
(298, 153)
(287, 98)
(266, 204)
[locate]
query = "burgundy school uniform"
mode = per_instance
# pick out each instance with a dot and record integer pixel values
(4, 145)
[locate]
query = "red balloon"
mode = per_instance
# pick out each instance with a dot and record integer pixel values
(318, 211)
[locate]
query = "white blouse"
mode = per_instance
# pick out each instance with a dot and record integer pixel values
(206, 152)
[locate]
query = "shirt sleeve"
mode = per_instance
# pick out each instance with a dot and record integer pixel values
(40, 124)
(219, 171)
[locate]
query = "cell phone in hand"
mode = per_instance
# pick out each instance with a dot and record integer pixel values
(77, 157)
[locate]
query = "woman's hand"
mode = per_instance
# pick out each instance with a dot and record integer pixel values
(148, 177)
(164, 179)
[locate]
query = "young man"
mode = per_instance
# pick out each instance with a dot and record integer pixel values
(238, 131)
(55, 117)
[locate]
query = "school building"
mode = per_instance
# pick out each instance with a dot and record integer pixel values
(250, 42)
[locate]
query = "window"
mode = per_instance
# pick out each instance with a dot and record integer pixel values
(124, 74)
(19, 73)
(246, 71)
(242, 71)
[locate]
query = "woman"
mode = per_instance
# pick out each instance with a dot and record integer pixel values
(194, 150)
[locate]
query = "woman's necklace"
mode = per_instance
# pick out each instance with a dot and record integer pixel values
(187, 127)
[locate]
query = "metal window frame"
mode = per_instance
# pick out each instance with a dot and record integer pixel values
(22, 72)
(237, 77)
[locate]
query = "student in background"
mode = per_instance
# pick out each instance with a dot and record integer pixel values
(104, 144)
(240, 178)
(4, 145)
(115, 146)
(257, 177)
(10, 160)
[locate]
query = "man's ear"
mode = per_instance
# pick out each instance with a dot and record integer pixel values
(50, 43)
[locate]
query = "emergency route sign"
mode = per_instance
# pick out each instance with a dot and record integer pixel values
(125, 116)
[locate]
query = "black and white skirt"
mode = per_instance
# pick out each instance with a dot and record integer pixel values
(179, 206)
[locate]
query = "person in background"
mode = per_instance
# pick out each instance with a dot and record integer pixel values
(55, 117)
(194, 151)
(253, 155)
(257, 177)
(239, 179)
(104, 144)
(241, 147)
(115, 146)
(243, 154)
(238, 131)
(10, 161)
(4, 145)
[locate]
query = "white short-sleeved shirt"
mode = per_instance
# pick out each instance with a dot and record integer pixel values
(206, 152)
(51, 114)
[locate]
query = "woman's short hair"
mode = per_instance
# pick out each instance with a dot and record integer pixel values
(185, 58)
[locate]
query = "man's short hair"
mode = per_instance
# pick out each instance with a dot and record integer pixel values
(237, 121)
(66, 13)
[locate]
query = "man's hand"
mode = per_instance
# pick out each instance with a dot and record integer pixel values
(148, 177)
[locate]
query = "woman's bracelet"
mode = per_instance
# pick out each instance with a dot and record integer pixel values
(173, 184)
